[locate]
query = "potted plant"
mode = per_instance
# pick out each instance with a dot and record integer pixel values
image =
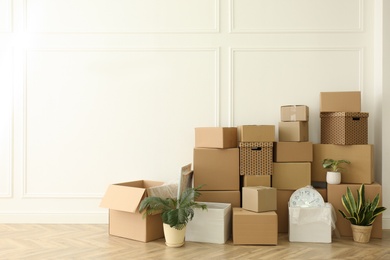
(175, 213)
(334, 175)
(361, 213)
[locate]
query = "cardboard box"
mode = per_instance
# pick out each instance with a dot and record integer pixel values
(283, 197)
(293, 131)
(252, 228)
(256, 158)
(217, 169)
(361, 169)
(312, 224)
(123, 201)
(344, 128)
(213, 225)
(291, 176)
(292, 113)
(256, 133)
(293, 152)
(343, 101)
(335, 192)
(256, 180)
(231, 197)
(259, 199)
(216, 137)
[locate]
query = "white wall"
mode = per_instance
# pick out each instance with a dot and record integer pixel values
(111, 92)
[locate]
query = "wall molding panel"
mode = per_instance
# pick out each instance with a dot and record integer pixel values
(37, 88)
(137, 16)
(304, 16)
(5, 16)
(299, 64)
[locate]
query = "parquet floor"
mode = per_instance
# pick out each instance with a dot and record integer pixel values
(48, 241)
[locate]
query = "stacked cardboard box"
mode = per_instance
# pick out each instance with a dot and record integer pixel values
(292, 157)
(216, 165)
(256, 222)
(256, 151)
(344, 136)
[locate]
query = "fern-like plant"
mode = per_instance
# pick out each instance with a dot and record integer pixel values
(174, 212)
(361, 212)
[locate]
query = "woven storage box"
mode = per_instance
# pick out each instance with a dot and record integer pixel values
(256, 158)
(344, 128)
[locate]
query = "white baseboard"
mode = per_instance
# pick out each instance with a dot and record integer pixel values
(54, 218)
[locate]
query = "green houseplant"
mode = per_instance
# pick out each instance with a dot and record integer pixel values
(333, 176)
(175, 213)
(361, 213)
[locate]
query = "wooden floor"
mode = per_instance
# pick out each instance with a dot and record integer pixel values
(30, 241)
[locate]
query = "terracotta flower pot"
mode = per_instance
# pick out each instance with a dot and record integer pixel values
(361, 234)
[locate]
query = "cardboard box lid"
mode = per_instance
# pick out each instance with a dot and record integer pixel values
(126, 196)
(344, 114)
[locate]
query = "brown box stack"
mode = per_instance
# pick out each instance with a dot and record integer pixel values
(216, 165)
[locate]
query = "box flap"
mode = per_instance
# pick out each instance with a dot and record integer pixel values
(123, 198)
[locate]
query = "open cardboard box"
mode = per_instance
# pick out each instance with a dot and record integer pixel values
(122, 200)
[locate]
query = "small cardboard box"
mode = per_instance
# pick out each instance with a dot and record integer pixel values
(259, 198)
(212, 225)
(256, 158)
(335, 192)
(312, 224)
(361, 169)
(256, 180)
(216, 137)
(252, 228)
(217, 169)
(292, 113)
(293, 152)
(123, 201)
(343, 101)
(220, 196)
(291, 176)
(344, 128)
(294, 131)
(256, 133)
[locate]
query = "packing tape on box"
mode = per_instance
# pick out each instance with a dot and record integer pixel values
(306, 215)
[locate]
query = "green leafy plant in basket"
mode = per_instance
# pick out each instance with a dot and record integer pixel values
(361, 212)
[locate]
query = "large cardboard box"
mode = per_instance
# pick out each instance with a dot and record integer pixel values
(256, 158)
(216, 137)
(311, 224)
(293, 152)
(256, 180)
(361, 169)
(252, 228)
(291, 176)
(344, 128)
(231, 197)
(294, 131)
(256, 133)
(283, 197)
(213, 225)
(259, 198)
(342, 101)
(123, 201)
(217, 169)
(292, 113)
(335, 192)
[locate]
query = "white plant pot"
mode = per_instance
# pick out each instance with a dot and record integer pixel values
(333, 177)
(173, 236)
